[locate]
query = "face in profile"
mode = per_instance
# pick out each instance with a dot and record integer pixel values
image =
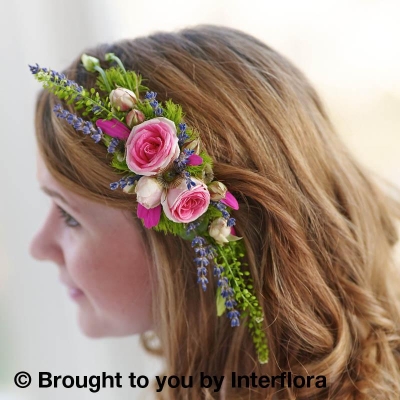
(101, 260)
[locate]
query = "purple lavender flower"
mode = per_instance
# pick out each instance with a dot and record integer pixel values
(113, 145)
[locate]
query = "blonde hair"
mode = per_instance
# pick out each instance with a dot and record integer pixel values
(319, 233)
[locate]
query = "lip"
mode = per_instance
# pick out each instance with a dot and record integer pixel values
(73, 291)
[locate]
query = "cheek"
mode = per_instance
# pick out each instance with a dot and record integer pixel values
(116, 284)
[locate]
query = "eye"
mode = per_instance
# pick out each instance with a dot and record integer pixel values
(69, 220)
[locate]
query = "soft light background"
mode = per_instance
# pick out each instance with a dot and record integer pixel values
(348, 49)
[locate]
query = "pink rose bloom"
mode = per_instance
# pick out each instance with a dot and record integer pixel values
(183, 205)
(151, 146)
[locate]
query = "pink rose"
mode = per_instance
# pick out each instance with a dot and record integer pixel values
(183, 205)
(151, 146)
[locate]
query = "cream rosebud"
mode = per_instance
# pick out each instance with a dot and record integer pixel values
(221, 232)
(148, 192)
(193, 145)
(217, 190)
(134, 117)
(123, 98)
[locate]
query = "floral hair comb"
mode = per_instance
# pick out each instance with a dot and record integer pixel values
(163, 162)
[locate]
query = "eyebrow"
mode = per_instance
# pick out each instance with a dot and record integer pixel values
(57, 195)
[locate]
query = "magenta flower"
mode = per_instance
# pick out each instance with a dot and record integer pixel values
(114, 128)
(194, 159)
(230, 201)
(151, 217)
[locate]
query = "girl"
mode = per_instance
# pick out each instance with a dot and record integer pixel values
(318, 232)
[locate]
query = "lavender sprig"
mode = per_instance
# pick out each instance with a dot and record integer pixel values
(78, 123)
(183, 136)
(126, 181)
(66, 89)
(151, 97)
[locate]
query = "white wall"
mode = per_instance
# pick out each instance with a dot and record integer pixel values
(349, 50)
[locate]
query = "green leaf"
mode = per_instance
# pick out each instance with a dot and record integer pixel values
(220, 303)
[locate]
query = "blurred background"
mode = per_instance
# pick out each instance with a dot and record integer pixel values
(348, 49)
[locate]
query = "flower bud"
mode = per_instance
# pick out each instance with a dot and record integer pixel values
(130, 189)
(134, 117)
(193, 145)
(207, 174)
(90, 62)
(123, 98)
(217, 190)
(148, 192)
(221, 232)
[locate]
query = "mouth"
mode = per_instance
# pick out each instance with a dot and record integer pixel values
(73, 291)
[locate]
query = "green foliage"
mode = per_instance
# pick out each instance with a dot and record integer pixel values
(197, 170)
(119, 162)
(118, 78)
(145, 108)
(118, 158)
(173, 112)
(167, 226)
(229, 255)
(221, 307)
(83, 99)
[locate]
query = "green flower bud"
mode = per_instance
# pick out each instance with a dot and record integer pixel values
(90, 62)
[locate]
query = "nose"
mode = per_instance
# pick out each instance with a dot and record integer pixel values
(44, 245)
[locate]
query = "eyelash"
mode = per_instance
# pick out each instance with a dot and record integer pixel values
(69, 220)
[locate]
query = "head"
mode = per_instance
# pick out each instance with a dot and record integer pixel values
(318, 232)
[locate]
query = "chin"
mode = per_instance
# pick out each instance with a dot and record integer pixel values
(90, 327)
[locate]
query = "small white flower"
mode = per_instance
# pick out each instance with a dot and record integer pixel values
(221, 232)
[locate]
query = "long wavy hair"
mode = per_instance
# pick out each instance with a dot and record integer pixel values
(319, 231)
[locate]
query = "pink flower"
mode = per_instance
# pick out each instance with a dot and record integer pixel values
(151, 146)
(183, 205)
(123, 98)
(148, 192)
(194, 159)
(113, 128)
(230, 201)
(151, 217)
(134, 117)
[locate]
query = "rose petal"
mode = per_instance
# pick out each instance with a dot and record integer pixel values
(151, 146)
(230, 201)
(114, 128)
(194, 159)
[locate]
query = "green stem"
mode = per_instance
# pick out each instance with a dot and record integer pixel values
(113, 57)
(118, 61)
(230, 270)
(87, 98)
(104, 77)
